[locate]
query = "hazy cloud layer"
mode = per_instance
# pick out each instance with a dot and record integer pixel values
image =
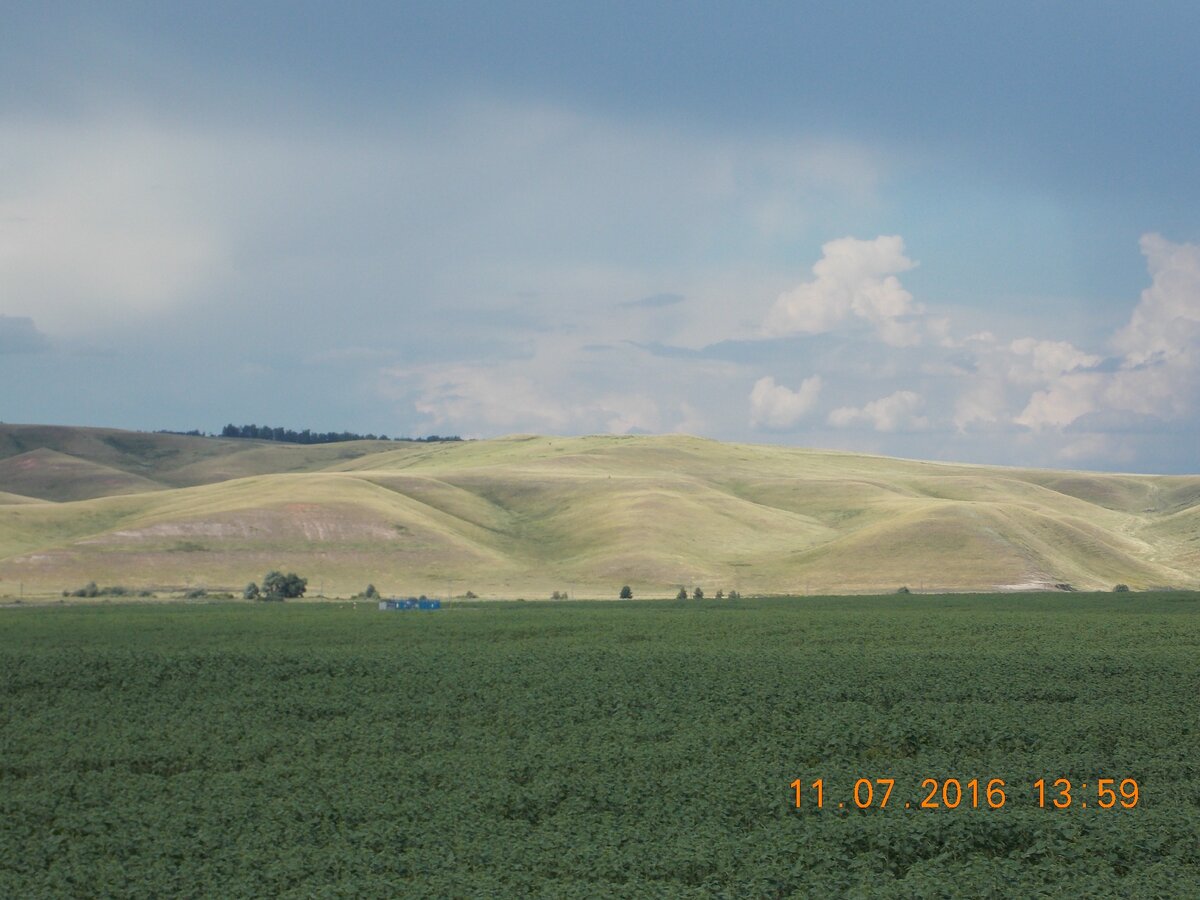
(655, 301)
(555, 392)
(97, 225)
(18, 334)
(891, 413)
(106, 220)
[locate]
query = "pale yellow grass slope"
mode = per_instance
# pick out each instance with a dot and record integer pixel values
(525, 515)
(10, 498)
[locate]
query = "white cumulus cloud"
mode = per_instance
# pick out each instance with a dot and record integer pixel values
(853, 279)
(775, 406)
(1068, 398)
(894, 412)
(1035, 360)
(1156, 372)
(1166, 322)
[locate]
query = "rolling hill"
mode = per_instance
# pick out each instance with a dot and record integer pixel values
(525, 515)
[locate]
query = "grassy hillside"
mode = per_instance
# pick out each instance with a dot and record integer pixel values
(49, 475)
(154, 460)
(527, 515)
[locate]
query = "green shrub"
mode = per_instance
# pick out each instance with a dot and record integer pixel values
(682, 595)
(1121, 589)
(627, 593)
(91, 590)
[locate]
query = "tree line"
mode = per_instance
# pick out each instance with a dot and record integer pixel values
(291, 436)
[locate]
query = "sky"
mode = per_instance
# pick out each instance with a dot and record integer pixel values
(941, 230)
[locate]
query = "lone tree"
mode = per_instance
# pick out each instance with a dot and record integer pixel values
(720, 595)
(250, 592)
(371, 593)
(697, 594)
(627, 593)
(1121, 589)
(277, 586)
(682, 595)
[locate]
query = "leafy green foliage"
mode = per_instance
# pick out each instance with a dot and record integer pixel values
(626, 593)
(277, 586)
(91, 590)
(595, 749)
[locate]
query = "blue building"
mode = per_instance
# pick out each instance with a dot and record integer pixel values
(410, 603)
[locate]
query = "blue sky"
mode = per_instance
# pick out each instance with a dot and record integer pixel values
(942, 230)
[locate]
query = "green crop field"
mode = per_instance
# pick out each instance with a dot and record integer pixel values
(601, 749)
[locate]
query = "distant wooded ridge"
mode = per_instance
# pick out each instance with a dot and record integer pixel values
(307, 436)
